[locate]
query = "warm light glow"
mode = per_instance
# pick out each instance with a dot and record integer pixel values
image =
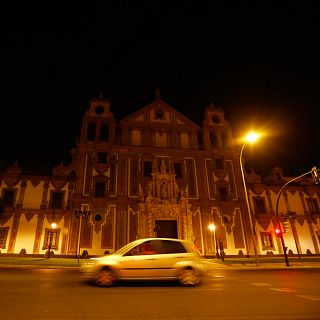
(277, 231)
(53, 225)
(252, 137)
(211, 227)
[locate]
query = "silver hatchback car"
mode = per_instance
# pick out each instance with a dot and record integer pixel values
(148, 259)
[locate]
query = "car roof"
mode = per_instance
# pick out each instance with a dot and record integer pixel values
(138, 241)
(148, 239)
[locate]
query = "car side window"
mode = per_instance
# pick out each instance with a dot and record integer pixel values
(168, 247)
(157, 247)
(145, 248)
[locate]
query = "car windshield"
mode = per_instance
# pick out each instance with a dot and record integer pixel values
(126, 247)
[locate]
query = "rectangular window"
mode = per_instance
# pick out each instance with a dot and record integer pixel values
(136, 137)
(134, 177)
(161, 139)
(190, 170)
(200, 139)
(266, 240)
(57, 198)
(100, 190)
(104, 132)
(102, 157)
(218, 164)
(178, 169)
(224, 139)
(91, 133)
(118, 135)
(313, 205)
(147, 168)
(213, 139)
(8, 197)
(184, 140)
(223, 193)
(259, 205)
(3, 236)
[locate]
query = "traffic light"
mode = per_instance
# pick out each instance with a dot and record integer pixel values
(286, 226)
(315, 175)
(278, 232)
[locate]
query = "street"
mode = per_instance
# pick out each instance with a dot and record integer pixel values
(226, 294)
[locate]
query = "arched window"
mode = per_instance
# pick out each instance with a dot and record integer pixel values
(100, 189)
(91, 132)
(104, 132)
(213, 139)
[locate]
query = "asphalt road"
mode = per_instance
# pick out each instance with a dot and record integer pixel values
(225, 294)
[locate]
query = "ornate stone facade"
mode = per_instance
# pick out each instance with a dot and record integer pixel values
(154, 173)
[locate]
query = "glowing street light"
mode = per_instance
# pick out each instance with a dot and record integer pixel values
(251, 137)
(53, 226)
(212, 228)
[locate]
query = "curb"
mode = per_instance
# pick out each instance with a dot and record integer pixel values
(268, 266)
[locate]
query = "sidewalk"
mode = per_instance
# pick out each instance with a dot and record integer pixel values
(265, 263)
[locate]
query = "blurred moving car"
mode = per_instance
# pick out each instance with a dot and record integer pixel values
(148, 259)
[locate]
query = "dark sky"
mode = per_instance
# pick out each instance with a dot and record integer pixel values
(258, 60)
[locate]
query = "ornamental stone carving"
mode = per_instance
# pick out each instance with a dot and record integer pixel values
(164, 200)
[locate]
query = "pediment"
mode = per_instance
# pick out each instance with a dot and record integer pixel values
(159, 113)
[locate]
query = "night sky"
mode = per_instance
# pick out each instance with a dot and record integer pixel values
(259, 61)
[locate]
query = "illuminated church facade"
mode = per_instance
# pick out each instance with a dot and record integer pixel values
(155, 173)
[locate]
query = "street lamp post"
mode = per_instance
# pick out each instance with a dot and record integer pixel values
(213, 229)
(292, 219)
(83, 212)
(80, 215)
(315, 175)
(251, 137)
(52, 226)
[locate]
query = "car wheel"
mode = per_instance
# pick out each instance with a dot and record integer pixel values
(105, 277)
(189, 277)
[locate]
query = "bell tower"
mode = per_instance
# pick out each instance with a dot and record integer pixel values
(98, 124)
(94, 149)
(216, 130)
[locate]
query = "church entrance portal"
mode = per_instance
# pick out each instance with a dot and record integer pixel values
(166, 229)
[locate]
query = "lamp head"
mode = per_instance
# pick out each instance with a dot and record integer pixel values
(211, 227)
(252, 136)
(53, 225)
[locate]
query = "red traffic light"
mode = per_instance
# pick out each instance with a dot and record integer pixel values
(277, 232)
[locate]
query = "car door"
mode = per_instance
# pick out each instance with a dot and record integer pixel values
(170, 253)
(139, 263)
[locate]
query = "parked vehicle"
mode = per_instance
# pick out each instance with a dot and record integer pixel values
(148, 259)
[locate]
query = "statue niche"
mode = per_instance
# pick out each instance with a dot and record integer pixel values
(162, 189)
